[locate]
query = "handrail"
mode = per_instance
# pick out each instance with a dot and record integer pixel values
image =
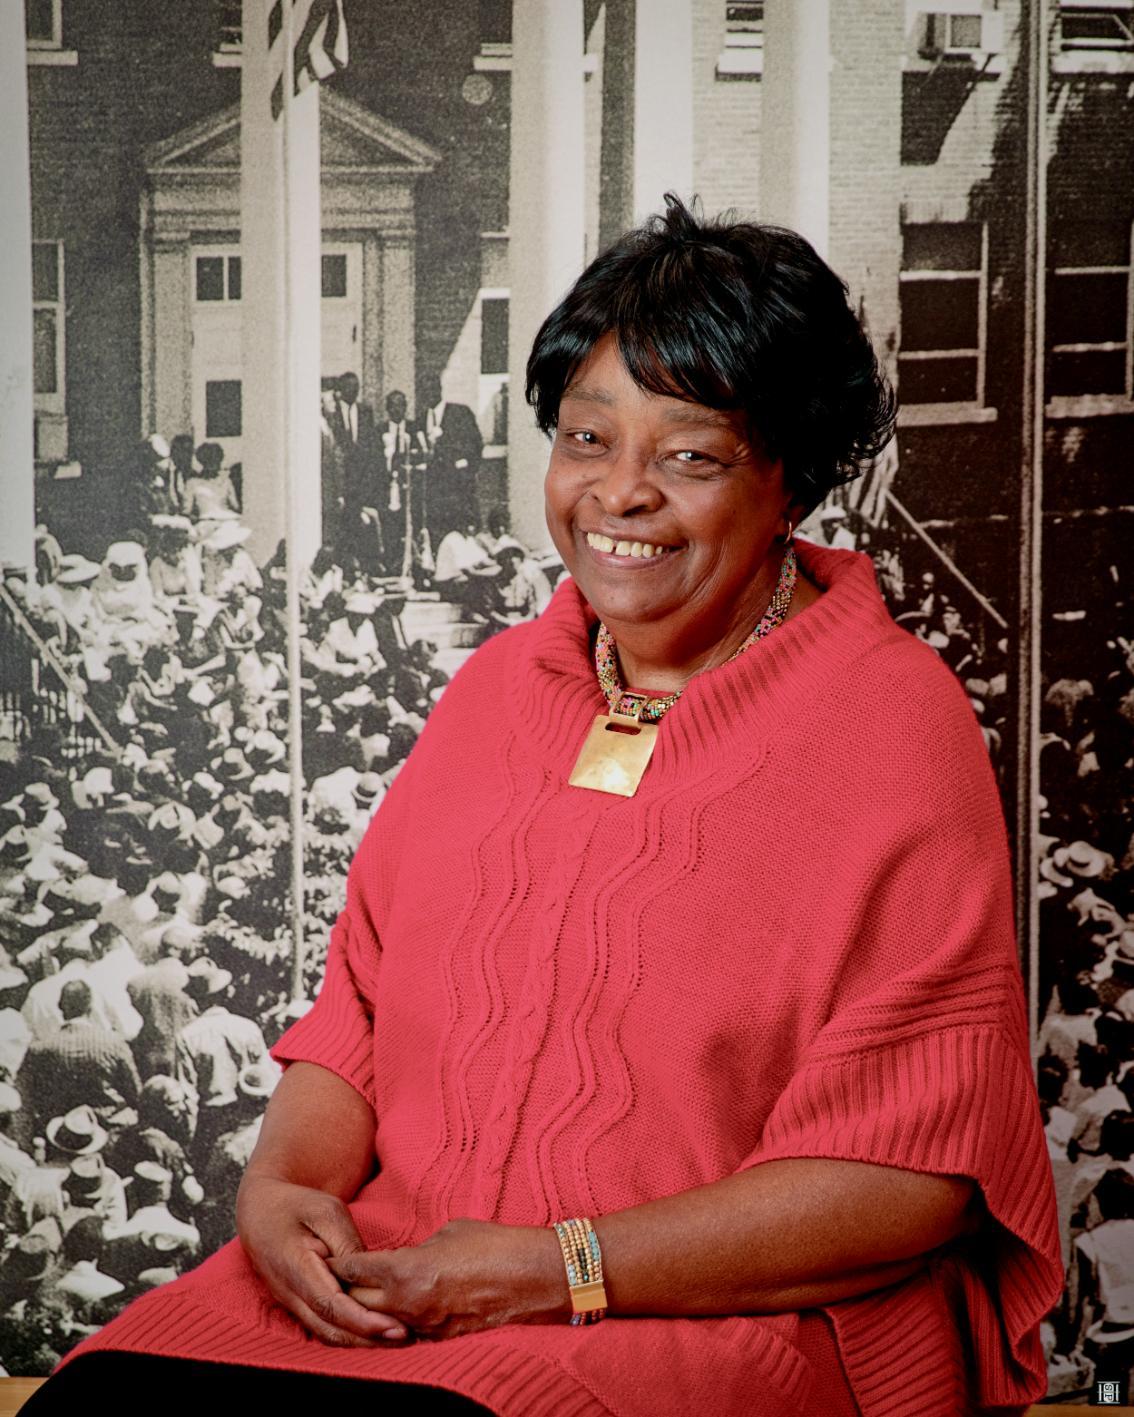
(48, 656)
(982, 600)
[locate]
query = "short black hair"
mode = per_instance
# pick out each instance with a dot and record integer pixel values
(731, 315)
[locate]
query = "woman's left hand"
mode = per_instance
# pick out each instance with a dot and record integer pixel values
(469, 1275)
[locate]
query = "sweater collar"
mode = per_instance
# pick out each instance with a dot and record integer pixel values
(726, 715)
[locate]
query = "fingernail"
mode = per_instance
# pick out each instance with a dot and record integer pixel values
(394, 1333)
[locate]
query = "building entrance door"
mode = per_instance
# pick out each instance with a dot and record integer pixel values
(217, 362)
(342, 310)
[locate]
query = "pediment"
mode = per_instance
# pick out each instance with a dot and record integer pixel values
(351, 138)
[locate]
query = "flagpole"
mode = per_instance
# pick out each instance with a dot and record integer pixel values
(294, 675)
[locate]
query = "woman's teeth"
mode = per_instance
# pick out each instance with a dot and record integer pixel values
(625, 548)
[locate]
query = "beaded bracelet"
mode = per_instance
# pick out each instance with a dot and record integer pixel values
(583, 1261)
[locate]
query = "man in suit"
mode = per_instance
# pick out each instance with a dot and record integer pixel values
(404, 451)
(455, 446)
(359, 450)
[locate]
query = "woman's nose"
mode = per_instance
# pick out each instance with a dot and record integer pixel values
(626, 486)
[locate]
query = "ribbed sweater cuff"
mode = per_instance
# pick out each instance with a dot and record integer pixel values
(337, 1032)
(958, 1103)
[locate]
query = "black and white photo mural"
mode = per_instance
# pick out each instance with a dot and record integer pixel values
(280, 480)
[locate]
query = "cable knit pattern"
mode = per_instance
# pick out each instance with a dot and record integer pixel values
(795, 940)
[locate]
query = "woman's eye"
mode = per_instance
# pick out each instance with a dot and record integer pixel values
(586, 437)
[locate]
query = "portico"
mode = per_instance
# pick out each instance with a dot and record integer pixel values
(191, 365)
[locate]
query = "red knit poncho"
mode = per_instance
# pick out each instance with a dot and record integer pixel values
(795, 940)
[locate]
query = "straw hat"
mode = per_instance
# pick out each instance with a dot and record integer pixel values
(206, 977)
(78, 1132)
(368, 789)
(167, 887)
(86, 1177)
(76, 570)
(170, 821)
(41, 795)
(124, 554)
(93, 788)
(265, 748)
(232, 766)
(15, 847)
(227, 535)
(257, 1080)
(1083, 859)
(28, 1261)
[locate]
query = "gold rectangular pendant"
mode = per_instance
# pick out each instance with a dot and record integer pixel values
(615, 754)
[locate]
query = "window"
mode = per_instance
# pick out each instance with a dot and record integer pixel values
(494, 335)
(492, 396)
(48, 364)
(495, 24)
(335, 277)
(743, 54)
(228, 38)
(1092, 26)
(44, 23)
(43, 29)
(218, 278)
(1088, 310)
(222, 408)
(942, 300)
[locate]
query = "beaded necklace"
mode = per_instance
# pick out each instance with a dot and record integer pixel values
(647, 709)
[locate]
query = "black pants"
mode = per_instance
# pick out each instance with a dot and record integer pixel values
(137, 1383)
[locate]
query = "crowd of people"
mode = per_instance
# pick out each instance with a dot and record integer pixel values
(147, 924)
(1086, 1037)
(1085, 884)
(146, 914)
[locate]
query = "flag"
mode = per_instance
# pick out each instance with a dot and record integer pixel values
(320, 49)
(868, 493)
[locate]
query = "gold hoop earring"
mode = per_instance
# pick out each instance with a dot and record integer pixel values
(790, 537)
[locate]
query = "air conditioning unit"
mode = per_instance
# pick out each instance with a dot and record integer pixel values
(961, 35)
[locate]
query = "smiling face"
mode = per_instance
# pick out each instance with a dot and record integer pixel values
(668, 517)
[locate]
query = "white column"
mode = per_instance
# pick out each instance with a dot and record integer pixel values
(264, 378)
(305, 292)
(17, 416)
(795, 127)
(547, 219)
(172, 340)
(663, 103)
(280, 246)
(399, 348)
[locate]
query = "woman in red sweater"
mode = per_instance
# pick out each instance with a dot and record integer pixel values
(676, 985)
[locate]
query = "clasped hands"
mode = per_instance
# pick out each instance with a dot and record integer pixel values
(469, 1275)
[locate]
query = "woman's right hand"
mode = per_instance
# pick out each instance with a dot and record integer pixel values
(288, 1232)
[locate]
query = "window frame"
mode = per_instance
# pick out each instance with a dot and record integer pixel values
(1117, 8)
(1085, 57)
(975, 410)
(742, 44)
(226, 254)
(489, 385)
(50, 51)
(55, 402)
(1086, 405)
(228, 46)
(56, 40)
